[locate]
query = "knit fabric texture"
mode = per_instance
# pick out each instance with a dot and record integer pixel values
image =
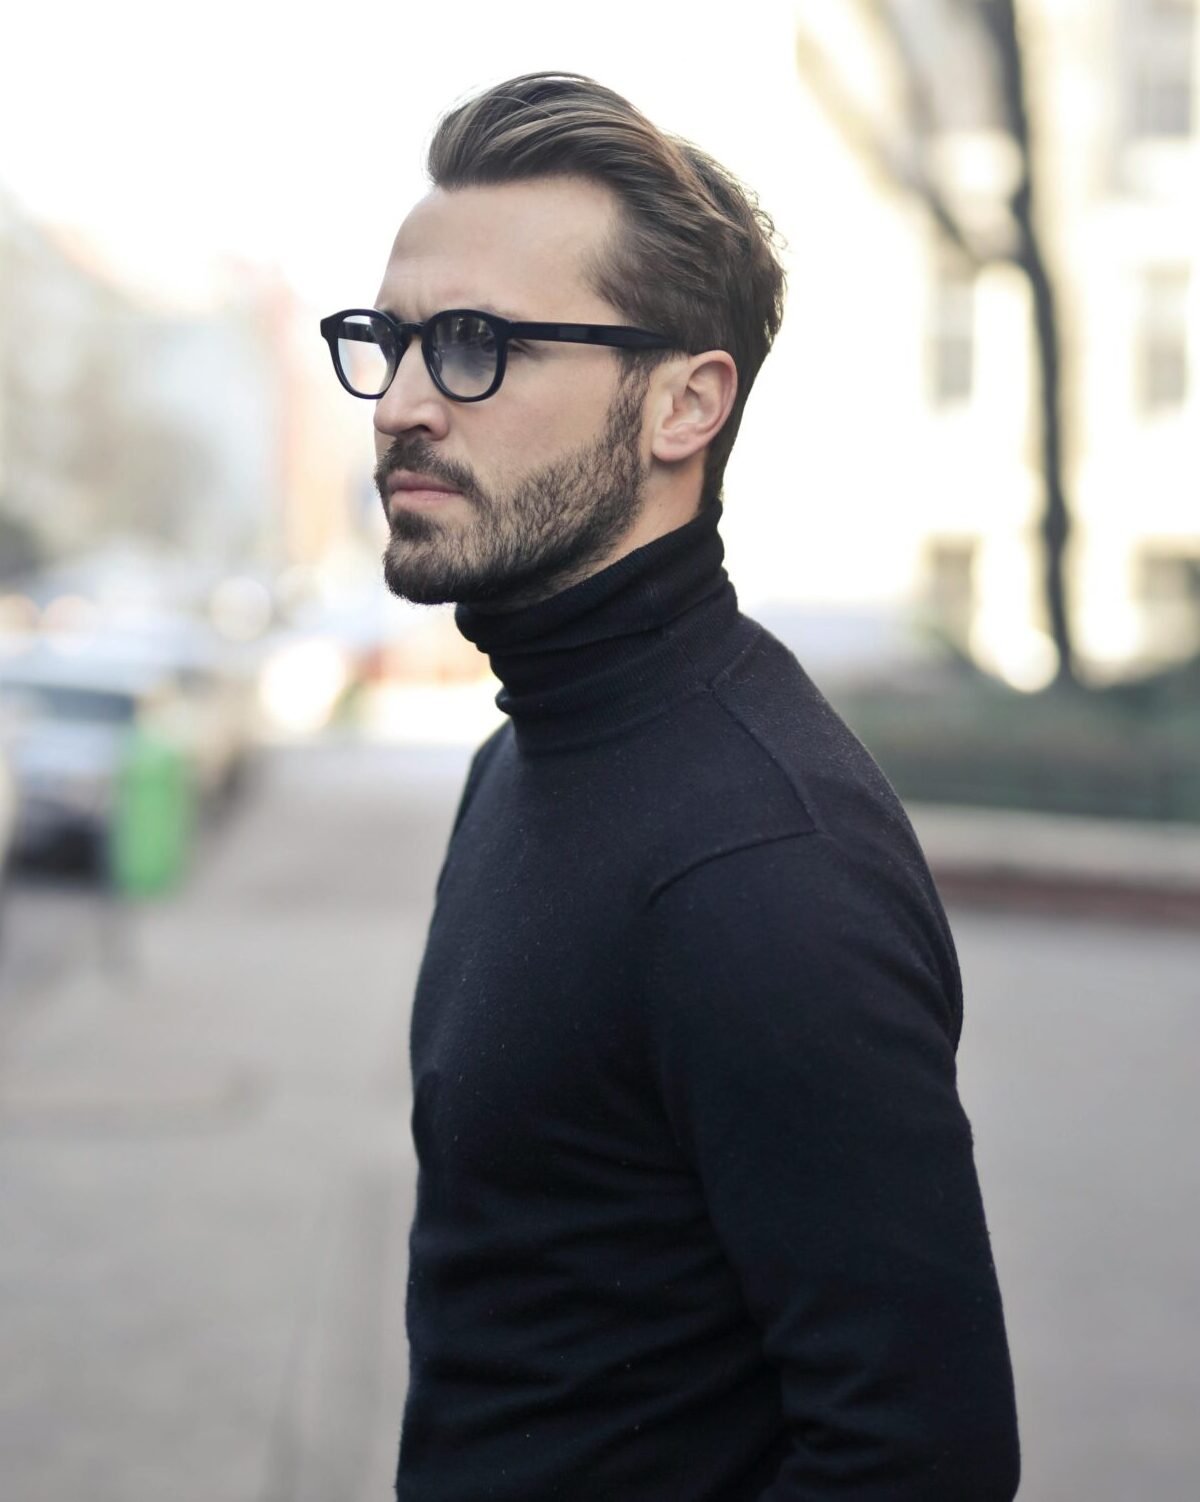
(697, 1212)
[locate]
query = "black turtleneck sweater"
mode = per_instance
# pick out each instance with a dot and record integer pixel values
(697, 1216)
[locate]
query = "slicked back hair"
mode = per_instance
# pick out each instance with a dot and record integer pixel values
(695, 257)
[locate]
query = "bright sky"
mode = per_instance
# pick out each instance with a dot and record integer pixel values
(295, 134)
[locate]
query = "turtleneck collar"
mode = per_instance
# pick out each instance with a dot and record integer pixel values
(616, 648)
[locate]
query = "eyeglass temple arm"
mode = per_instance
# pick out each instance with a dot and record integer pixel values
(617, 335)
(589, 333)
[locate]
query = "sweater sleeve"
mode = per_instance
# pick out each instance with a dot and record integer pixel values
(803, 1033)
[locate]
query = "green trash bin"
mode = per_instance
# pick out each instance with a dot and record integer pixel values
(153, 817)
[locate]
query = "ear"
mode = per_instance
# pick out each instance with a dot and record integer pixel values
(695, 399)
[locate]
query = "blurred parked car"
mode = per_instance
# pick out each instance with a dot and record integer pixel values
(214, 715)
(68, 718)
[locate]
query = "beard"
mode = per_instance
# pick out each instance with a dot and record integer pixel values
(548, 531)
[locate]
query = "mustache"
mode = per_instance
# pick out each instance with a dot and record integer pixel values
(416, 454)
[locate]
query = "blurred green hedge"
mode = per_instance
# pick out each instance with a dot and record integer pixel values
(1128, 751)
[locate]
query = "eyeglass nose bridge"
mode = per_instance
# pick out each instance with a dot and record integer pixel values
(403, 335)
(423, 333)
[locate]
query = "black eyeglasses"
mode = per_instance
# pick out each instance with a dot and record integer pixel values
(465, 351)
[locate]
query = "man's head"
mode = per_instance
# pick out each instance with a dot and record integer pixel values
(554, 200)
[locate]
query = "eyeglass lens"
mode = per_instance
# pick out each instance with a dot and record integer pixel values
(366, 351)
(462, 351)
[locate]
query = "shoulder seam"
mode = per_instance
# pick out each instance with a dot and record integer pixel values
(717, 689)
(660, 887)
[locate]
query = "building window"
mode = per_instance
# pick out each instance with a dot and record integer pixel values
(950, 357)
(949, 585)
(1159, 65)
(1162, 343)
(1168, 590)
(949, 49)
(1169, 577)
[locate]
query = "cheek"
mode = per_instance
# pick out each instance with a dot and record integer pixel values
(528, 426)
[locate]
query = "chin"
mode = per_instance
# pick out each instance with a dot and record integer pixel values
(416, 587)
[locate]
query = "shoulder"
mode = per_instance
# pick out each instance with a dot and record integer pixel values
(802, 928)
(763, 757)
(807, 876)
(767, 693)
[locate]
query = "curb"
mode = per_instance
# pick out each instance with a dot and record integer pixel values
(1057, 863)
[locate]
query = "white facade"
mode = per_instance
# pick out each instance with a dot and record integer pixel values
(1119, 181)
(946, 396)
(117, 417)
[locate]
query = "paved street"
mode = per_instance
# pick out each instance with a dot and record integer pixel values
(207, 1177)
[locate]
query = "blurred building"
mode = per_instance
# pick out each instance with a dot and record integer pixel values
(1113, 88)
(123, 416)
(58, 387)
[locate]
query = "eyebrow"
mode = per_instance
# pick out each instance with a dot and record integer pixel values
(478, 307)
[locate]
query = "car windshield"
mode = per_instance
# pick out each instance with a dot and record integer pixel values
(45, 701)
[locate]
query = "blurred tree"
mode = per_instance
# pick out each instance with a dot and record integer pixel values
(903, 152)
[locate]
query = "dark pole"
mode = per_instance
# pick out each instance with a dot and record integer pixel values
(1000, 18)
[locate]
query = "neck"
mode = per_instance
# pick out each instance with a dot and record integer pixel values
(613, 647)
(657, 518)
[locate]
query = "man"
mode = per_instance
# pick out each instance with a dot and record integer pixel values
(697, 1218)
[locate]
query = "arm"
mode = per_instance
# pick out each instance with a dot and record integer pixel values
(804, 1014)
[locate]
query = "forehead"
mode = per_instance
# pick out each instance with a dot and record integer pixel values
(517, 248)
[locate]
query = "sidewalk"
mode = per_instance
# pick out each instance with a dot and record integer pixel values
(1006, 857)
(207, 1167)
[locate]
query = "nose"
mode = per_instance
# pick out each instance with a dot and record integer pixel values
(412, 400)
